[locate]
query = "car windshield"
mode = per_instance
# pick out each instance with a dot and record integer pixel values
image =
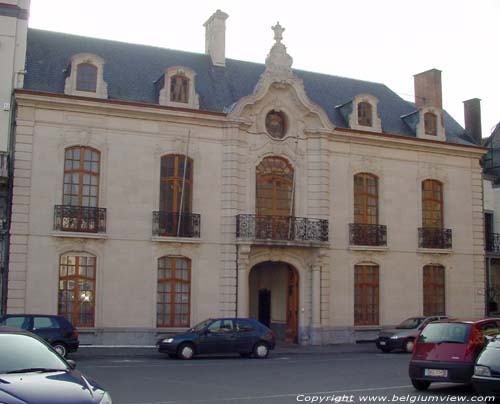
(202, 325)
(410, 323)
(445, 332)
(22, 353)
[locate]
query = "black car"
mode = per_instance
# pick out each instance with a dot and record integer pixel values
(31, 372)
(487, 370)
(56, 330)
(221, 335)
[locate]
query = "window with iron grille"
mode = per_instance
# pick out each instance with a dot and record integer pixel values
(365, 114)
(365, 199)
(174, 292)
(81, 177)
(430, 124)
(434, 290)
(432, 204)
(366, 295)
(76, 298)
(86, 77)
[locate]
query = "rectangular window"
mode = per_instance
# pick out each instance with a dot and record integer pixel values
(366, 295)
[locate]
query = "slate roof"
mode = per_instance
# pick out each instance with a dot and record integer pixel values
(131, 71)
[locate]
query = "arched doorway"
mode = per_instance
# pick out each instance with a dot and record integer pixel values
(274, 298)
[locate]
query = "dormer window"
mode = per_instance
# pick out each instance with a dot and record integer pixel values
(177, 88)
(85, 76)
(430, 124)
(365, 114)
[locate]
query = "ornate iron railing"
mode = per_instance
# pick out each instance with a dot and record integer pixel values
(367, 234)
(493, 242)
(79, 219)
(281, 228)
(171, 224)
(429, 237)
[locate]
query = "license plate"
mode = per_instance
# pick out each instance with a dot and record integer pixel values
(382, 342)
(436, 372)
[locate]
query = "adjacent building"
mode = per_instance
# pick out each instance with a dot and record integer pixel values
(154, 188)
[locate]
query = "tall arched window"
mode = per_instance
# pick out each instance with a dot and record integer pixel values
(366, 294)
(365, 199)
(430, 124)
(174, 292)
(365, 114)
(176, 194)
(434, 290)
(81, 176)
(86, 77)
(179, 88)
(76, 298)
(432, 204)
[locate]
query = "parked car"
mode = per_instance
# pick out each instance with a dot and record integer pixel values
(221, 335)
(446, 350)
(56, 330)
(403, 336)
(31, 372)
(487, 370)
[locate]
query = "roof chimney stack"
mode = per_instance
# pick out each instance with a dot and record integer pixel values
(472, 114)
(215, 38)
(428, 92)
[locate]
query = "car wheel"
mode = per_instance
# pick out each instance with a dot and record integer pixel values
(60, 348)
(409, 344)
(185, 351)
(420, 384)
(385, 349)
(260, 350)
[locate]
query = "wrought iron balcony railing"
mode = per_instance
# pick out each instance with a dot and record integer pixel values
(281, 228)
(429, 237)
(79, 219)
(171, 224)
(493, 242)
(367, 234)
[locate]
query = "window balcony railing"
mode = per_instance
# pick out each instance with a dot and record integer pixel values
(429, 237)
(173, 224)
(367, 234)
(79, 219)
(4, 165)
(493, 242)
(281, 228)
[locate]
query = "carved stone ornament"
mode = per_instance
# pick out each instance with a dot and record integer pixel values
(276, 124)
(278, 61)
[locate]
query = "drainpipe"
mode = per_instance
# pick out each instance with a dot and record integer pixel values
(237, 280)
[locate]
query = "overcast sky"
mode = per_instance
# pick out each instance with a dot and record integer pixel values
(386, 41)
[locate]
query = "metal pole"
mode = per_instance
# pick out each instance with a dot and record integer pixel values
(183, 185)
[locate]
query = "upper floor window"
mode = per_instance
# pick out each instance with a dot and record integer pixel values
(179, 88)
(365, 114)
(366, 295)
(86, 78)
(176, 183)
(434, 290)
(81, 176)
(365, 199)
(432, 204)
(430, 124)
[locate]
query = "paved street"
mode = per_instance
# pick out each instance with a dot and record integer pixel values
(286, 377)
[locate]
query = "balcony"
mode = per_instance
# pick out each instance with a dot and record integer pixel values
(493, 242)
(281, 228)
(374, 235)
(4, 166)
(81, 219)
(172, 224)
(435, 238)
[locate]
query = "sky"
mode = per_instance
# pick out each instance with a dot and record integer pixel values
(384, 41)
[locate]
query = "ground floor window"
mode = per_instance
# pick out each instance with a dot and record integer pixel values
(366, 294)
(433, 286)
(76, 299)
(174, 290)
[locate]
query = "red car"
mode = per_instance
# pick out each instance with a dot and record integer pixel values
(446, 350)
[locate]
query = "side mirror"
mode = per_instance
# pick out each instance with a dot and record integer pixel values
(71, 363)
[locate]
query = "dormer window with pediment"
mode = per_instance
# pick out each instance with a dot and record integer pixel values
(178, 88)
(361, 113)
(85, 76)
(427, 123)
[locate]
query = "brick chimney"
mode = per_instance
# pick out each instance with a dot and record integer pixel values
(215, 38)
(428, 92)
(472, 115)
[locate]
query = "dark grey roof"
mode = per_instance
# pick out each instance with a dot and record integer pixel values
(131, 71)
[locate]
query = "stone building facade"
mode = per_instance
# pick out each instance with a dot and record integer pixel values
(325, 207)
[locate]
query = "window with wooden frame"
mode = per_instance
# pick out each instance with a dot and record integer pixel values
(430, 124)
(174, 292)
(81, 176)
(179, 88)
(366, 295)
(365, 198)
(365, 114)
(86, 77)
(76, 297)
(434, 290)
(432, 204)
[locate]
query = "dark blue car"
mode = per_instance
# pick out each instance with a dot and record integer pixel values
(31, 372)
(221, 335)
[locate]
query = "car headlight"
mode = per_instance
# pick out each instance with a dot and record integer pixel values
(395, 337)
(482, 370)
(106, 399)
(167, 340)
